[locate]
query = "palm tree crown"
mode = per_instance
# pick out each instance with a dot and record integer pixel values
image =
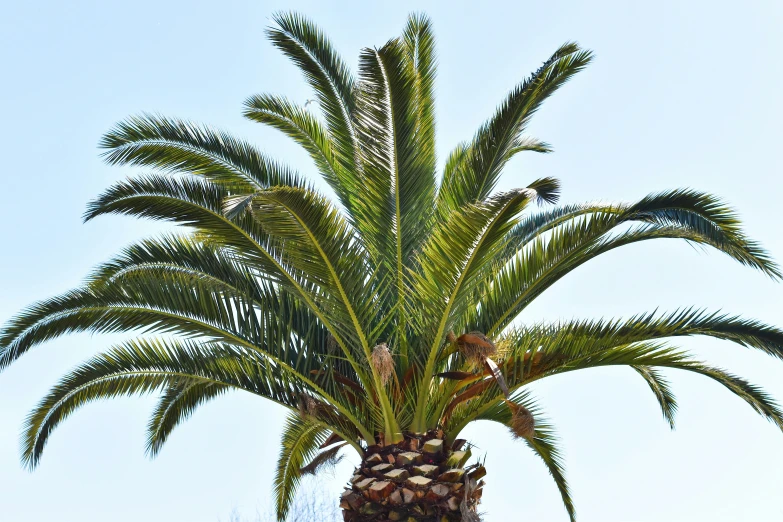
(387, 313)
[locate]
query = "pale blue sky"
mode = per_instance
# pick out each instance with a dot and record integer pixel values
(681, 94)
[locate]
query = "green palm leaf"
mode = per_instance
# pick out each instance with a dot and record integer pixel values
(304, 128)
(331, 80)
(176, 405)
(145, 366)
(663, 394)
(544, 248)
(419, 42)
(301, 440)
(172, 145)
(453, 260)
(397, 194)
(474, 178)
(545, 443)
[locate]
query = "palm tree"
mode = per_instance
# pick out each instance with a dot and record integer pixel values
(385, 321)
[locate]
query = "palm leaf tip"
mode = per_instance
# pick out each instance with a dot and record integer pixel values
(662, 390)
(308, 47)
(546, 448)
(176, 405)
(710, 217)
(545, 190)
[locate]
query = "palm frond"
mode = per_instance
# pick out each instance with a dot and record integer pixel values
(544, 248)
(710, 218)
(197, 204)
(663, 393)
(301, 440)
(500, 137)
(525, 144)
(545, 443)
(172, 145)
(144, 366)
(395, 121)
(584, 338)
(307, 46)
(419, 41)
(454, 259)
(399, 177)
(307, 131)
(178, 402)
(162, 304)
(758, 399)
(181, 254)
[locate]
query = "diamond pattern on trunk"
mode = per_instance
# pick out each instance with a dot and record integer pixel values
(426, 486)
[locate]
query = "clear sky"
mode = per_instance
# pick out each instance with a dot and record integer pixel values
(681, 94)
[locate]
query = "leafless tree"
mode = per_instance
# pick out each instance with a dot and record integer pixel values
(312, 504)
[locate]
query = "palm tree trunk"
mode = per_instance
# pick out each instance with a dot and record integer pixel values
(418, 480)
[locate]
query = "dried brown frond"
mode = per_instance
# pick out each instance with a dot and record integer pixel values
(333, 439)
(468, 505)
(382, 362)
(522, 423)
(327, 459)
(468, 515)
(475, 346)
